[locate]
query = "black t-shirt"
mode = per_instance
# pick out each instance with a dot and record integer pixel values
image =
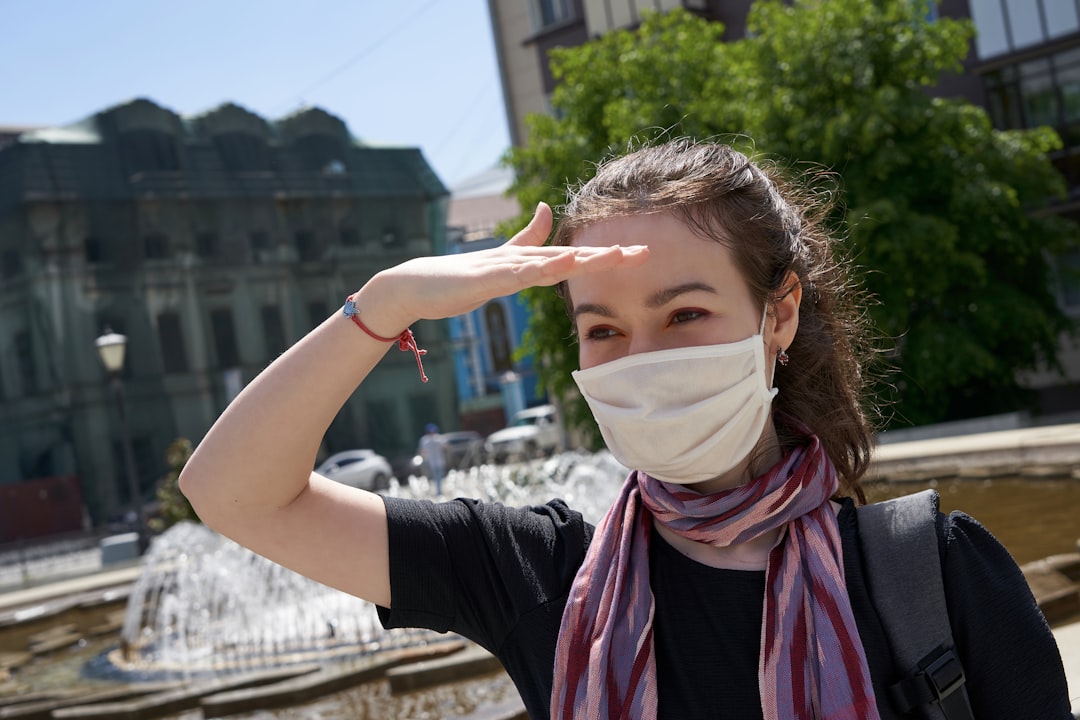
(500, 577)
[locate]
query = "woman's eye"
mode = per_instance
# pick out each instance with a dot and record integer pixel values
(599, 333)
(682, 316)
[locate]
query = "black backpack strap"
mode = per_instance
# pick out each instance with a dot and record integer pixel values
(899, 538)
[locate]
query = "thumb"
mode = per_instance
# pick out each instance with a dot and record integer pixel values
(538, 229)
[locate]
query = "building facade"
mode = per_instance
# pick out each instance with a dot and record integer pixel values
(492, 381)
(212, 242)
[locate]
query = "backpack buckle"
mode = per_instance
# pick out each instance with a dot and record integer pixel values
(939, 681)
(944, 673)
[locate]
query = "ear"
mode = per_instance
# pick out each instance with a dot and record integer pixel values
(785, 314)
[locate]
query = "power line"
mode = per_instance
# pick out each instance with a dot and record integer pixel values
(362, 54)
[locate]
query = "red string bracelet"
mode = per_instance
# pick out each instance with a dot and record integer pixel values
(405, 341)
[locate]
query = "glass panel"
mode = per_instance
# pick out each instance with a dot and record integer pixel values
(273, 331)
(221, 325)
(1069, 85)
(990, 37)
(1003, 101)
(317, 312)
(1024, 24)
(1069, 272)
(1061, 17)
(1040, 101)
(1067, 57)
(171, 339)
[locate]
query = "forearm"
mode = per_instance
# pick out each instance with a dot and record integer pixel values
(260, 452)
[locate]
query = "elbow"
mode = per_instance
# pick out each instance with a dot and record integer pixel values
(193, 483)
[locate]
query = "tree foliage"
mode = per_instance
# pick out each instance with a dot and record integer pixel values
(174, 506)
(939, 209)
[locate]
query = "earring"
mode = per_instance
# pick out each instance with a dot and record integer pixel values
(782, 357)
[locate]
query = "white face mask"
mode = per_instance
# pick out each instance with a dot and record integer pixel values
(682, 415)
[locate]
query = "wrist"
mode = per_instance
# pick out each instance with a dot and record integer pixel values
(405, 339)
(378, 308)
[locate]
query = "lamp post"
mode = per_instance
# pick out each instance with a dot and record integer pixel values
(111, 347)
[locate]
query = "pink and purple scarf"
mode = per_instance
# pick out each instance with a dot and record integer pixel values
(811, 666)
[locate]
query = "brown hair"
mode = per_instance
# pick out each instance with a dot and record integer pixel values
(772, 228)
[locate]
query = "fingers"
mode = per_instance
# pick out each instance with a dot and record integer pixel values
(538, 229)
(576, 261)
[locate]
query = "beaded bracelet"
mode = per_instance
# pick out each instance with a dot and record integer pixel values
(406, 341)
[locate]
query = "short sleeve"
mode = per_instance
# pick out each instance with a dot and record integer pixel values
(476, 568)
(1010, 657)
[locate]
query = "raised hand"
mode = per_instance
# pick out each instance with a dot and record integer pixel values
(439, 287)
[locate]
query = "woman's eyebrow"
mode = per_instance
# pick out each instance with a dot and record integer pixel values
(592, 309)
(657, 299)
(663, 297)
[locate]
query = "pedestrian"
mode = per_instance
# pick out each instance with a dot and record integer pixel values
(433, 452)
(720, 352)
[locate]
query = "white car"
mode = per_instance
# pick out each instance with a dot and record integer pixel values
(364, 469)
(532, 433)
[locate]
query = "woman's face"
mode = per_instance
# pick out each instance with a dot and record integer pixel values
(688, 292)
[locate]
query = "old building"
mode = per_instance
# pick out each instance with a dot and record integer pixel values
(213, 242)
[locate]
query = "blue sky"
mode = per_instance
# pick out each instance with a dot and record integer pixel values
(419, 73)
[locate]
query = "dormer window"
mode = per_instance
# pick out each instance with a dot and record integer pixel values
(149, 151)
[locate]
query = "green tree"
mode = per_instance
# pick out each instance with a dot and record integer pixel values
(174, 506)
(937, 205)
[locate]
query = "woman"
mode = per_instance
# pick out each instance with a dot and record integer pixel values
(719, 354)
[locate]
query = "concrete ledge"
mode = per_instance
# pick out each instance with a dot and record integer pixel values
(172, 701)
(1053, 445)
(43, 707)
(323, 681)
(469, 663)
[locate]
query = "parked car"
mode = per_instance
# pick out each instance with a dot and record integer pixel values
(364, 469)
(463, 448)
(533, 432)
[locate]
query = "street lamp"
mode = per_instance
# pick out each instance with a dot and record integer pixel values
(111, 347)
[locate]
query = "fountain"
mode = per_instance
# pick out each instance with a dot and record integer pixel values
(206, 606)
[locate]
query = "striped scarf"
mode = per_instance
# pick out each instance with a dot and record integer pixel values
(811, 665)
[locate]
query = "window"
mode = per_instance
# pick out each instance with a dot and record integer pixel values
(259, 240)
(206, 245)
(317, 312)
(1025, 26)
(242, 152)
(498, 337)
(306, 246)
(156, 246)
(349, 236)
(94, 249)
(149, 150)
(24, 356)
(1044, 91)
(261, 245)
(323, 153)
(1003, 26)
(1038, 93)
(171, 340)
(221, 325)
(273, 330)
(1061, 17)
(1069, 277)
(12, 263)
(546, 13)
(382, 424)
